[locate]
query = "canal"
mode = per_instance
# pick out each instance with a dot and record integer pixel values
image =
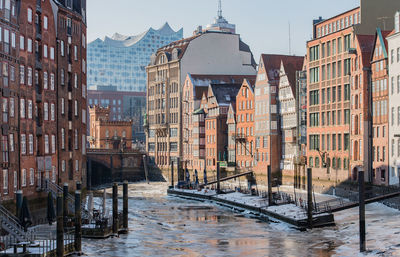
(162, 225)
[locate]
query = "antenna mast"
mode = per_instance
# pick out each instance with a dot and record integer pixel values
(219, 9)
(290, 43)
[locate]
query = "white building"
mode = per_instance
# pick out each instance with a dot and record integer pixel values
(394, 102)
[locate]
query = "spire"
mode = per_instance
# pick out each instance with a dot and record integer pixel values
(219, 9)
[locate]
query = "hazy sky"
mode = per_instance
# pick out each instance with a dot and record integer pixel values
(262, 24)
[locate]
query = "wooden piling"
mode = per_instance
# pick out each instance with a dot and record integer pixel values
(218, 179)
(269, 174)
(146, 171)
(60, 226)
(361, 198)
(125, 206)
(65, 204)
(78, 185)
(115, 208)
(172, 174)
(78, 223)
(18, 201)
(309, 198)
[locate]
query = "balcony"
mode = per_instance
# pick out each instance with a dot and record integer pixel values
(38, 6)
(70, 85)
(38, 64)
(38, 97)
(38, 32)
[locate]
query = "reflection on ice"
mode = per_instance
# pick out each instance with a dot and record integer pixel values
(161, 225)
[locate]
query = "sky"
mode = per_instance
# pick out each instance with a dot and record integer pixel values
(262, 24)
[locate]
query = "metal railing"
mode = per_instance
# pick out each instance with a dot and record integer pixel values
(11, 224)
(55, 189)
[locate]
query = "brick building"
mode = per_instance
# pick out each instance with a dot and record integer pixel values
(246, 146)
(267, 120)
(380, 109)
(287, 95)
(193, 115)
(331, 59)
(106, 133)
(166, 74)
(71, 78)
(124, 105)
(9, 87)
(219, 98)
(34, 103)
(394, 101)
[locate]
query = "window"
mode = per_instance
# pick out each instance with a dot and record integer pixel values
(62, 106)
(76, 80)
(52, 53)
(347, 67)
(30, 78)
(347, 92)
(45, 51)
(83, 144)
(45, 80)
(76, 139)
(30, 143)
(46, 111)
(63, 138)
(24, 177)
(30, 108)
(83, 116)
(53, 144)
(22, 107)
(76, 53)
(23, 143)
(46, 144)
(31, 176)
(22, 74)
(52, 82)
(29, 15)
(62, 47)
(52, 112)
(45, 22)
(76, 108)
(30, 45)
(5, 180)
(62, 77)
(13, 40)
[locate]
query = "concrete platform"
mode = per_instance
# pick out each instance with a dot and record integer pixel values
(288, 213)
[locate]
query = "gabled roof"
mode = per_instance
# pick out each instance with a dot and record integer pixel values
(225, 94)
(366, 44)
(272, 63)
(231, 112)
(201, 82)
(291, 66)
(381, 35)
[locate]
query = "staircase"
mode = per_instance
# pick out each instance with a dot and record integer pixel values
(11, 224)
(55, 189)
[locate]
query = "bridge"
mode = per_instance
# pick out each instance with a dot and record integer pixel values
(109, 165)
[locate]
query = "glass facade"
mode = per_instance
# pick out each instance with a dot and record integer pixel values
(121, 60)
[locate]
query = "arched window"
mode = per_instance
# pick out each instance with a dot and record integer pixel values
(356, 125)
(310, 164)
(356, 83)
(355, 151)
(124, 134)
(356, 102)
(316, 162)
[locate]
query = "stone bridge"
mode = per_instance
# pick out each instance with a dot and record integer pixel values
(109, 165)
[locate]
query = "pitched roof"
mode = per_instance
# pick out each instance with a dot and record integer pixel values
(201, 82)
(291, 66)
(272, 63)
(225, 93)
(382, 35)
(366, 44)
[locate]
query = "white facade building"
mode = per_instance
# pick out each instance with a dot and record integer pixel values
(394, 102)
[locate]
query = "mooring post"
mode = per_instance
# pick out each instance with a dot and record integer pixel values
(172, 174)
(269, 186)
(60, 226)
(65, 204)
(125, 206)
(146, 172)
(309, 197)
(18, 202)
(361, 198)
(78, 185)
(89, 175)
(115, 208)
(78, 223)
(218, 179)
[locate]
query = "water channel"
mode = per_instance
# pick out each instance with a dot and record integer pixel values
(162, 225)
